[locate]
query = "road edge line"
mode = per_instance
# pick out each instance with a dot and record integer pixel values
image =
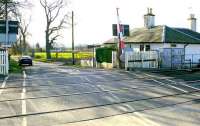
(4, 84)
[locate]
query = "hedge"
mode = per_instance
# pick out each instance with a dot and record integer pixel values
(104, 54)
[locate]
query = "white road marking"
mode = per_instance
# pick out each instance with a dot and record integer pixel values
(170, 85)
(87, 79)
(23, 96)
(181, 83)
(165, 83)
(3, 84)
(161, 83)
(145, 121)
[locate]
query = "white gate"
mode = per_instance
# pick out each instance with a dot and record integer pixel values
(114, 59)
(4, 64)
(148, 59)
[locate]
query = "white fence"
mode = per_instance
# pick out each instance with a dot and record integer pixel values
(87, 62)
(4, 64)
(90, 62)
(149, 59)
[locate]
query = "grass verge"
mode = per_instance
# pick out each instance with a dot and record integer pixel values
(14, 67)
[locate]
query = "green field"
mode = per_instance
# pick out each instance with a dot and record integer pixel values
(65, 55)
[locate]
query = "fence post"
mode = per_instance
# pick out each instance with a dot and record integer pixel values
(112, 59)
(7, 62)
(192, 61)
(126, 58)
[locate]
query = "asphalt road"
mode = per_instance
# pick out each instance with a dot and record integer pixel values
(55, 95)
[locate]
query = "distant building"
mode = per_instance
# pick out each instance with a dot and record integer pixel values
(111, 42)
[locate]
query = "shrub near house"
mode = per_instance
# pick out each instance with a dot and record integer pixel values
(104, 57)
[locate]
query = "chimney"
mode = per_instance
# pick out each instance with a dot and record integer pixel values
(192, 22)
(149, 21)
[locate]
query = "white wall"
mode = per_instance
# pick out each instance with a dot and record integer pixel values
(136, 47)
(156, 46)
(192, 51)
(168, 45)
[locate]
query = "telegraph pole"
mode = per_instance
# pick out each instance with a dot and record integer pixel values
(73, 60)
(119, 51)
(6, 18)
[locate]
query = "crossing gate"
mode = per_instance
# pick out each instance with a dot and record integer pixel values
(4, 64)
(148, 59)
(172, 57)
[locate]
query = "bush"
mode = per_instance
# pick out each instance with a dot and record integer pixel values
(104, 54)
(14, 66)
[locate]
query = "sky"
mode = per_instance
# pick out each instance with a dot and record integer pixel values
(94, 18)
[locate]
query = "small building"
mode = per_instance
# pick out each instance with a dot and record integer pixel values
(175, 45)
(152, 37)
(171, 43)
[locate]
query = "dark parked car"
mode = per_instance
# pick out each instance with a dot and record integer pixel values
(25, 60)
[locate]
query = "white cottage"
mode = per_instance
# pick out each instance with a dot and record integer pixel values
(181, 42)
(153, 37)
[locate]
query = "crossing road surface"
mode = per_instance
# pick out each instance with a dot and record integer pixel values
(55, 95)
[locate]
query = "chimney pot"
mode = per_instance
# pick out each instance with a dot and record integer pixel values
(150, 10)
(149, 19)
(192, 22)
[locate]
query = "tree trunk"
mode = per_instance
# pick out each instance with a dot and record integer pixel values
(48, 47)
(24, 44)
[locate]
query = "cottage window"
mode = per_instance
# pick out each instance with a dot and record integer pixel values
(173, 45)
(141, 47)
(147, 48)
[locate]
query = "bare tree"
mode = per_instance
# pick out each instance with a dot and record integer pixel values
(23, 31)
(16, 11)
(12, 6)
(54, 23)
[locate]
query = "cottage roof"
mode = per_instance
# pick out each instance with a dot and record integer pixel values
(159, 34)
(153, 34)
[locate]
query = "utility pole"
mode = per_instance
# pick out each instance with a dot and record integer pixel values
(73, 60)
(119, 50)
(6, 18)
